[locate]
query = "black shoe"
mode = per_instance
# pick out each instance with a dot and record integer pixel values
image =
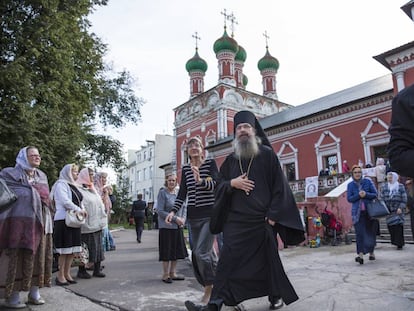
(99, 274)
(277, 305)
(360, 260)
(191, 306)
(59, 283)
(399, 248)
(83, 274)
(72, 282)
(371, 257)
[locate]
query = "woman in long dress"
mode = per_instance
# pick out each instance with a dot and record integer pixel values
(26, 247)
(394, 195)
(171, 243)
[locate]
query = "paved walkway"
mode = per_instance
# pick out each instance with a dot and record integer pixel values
(326, 278)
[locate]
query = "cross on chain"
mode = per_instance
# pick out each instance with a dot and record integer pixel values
(196, 37)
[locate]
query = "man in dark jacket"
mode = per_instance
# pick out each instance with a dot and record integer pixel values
(138, 212)
(257, 202)
(401, 145)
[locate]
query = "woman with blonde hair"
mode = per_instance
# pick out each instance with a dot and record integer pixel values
(171, 243)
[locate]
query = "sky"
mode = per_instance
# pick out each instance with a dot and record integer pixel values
(322, 47)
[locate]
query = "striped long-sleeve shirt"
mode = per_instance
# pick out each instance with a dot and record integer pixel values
(200, 195)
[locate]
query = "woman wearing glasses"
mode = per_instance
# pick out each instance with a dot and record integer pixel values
(360, 191)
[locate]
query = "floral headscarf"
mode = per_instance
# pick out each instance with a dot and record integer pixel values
(22, 161)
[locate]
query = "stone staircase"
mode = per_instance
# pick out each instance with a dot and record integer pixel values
(384, 236)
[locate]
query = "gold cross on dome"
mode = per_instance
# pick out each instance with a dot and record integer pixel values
(267, 37)
(196, 37)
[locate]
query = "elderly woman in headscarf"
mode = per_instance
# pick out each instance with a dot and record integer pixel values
(26, 252)
(67, 240)
(91, 231)
(360, 191)
(395, 197)
(104, 191)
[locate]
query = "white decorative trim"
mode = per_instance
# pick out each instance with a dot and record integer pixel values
(288, 158)
(370, 140)
(328, 149)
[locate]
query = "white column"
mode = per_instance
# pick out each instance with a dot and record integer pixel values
(399, 76)
(225, 129)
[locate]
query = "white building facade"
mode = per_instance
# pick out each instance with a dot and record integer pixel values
(144, 173)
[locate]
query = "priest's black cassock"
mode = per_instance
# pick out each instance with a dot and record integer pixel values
(249, 264)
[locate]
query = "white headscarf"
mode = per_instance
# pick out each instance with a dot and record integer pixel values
(394, 184)
(65, 176)
(22, 161)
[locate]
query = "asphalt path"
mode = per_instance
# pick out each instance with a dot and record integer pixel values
(325, 278)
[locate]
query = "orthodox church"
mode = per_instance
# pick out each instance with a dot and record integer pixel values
(350, 125)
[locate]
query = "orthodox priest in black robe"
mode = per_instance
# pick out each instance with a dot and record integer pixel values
(253, 203)
(401, 146)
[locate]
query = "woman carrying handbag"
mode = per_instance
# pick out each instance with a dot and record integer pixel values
(360, 192)
(67, 240)
(394, 195)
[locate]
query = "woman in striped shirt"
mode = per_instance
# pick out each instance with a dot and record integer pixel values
(198, 181)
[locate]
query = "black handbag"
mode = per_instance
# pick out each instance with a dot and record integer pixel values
(7, 197)
(377, 208)
(395, 219)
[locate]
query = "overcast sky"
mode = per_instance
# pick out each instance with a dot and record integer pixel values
(322, 47)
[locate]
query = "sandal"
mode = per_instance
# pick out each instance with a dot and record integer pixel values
(176, 277)
(166, 279)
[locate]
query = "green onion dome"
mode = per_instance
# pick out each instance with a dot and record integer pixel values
(241, 55)
(267, 62)
(196, 63)
(245, 80)
(225, 43)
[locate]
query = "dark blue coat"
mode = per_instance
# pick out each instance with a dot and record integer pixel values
(353, 196)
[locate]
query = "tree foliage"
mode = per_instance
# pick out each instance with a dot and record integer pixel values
(55, 87)
(122, 204)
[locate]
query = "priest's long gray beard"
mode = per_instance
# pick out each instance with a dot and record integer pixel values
(245, 149)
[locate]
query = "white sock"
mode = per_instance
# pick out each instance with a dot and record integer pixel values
(14, 298)
(34, 292)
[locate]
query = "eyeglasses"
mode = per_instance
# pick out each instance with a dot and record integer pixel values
(34, 155)
(357, 172)
(194, 145)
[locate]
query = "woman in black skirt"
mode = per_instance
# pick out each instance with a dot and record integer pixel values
(394, 195)
(171, 238)
(67, 241)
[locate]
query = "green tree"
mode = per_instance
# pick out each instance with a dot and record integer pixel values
(122, 204)
(55, 88)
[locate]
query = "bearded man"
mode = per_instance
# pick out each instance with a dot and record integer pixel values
(258, 203)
